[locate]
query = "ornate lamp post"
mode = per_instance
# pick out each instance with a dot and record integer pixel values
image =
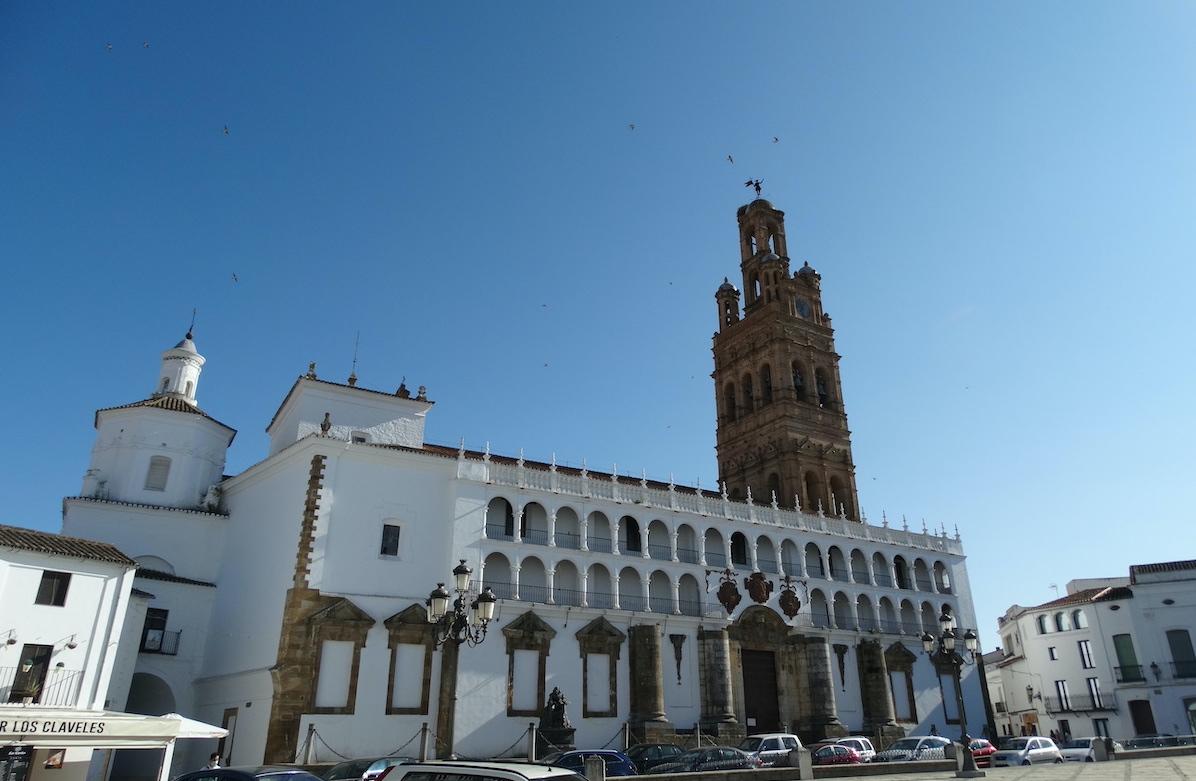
(458, 623)
(942, 651)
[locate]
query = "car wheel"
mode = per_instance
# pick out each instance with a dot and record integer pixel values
(1025, 762)
(1058, 760)
(1089, 759)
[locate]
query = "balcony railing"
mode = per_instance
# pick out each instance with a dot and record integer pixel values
(687, 555)
(634, 602)
(924, 584)
(840, 574)
(883, 579)
(501, 590)
(567, 596)
(160, 641)
(859, 576)
(599, 544)
(1129, 673)
(766, 565)
(496, 531)
(716, 558)
(660, 552)
(1186, 669)
(536, 536)
(568, 540)
(690, 607)
(1080, 703)
(58, 688)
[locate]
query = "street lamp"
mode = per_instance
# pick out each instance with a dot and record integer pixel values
(457, 623)
(942, 651)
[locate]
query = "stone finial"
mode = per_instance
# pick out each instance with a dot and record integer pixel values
(749, 495)
(821, 514)
(422, 393)
(519, 461)
(584, 472)
(552, 466)
(842, 511)
(884, 519)
(352, 379)
(486, 453)
(644, 478)
(724, 490)
(402, 392)
(311, 371)
(326, 424)
(797, 502)
(923, 526)
(904, 523)
(775, 506)
(461, 448)
(672, 485)
(614, 473)
(957, 532)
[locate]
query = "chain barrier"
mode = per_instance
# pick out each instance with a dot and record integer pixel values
(330, 748)
(547, 742)
(301, 752)
(617, 736)
(405, 745)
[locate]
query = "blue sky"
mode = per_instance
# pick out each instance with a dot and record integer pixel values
(999, 197)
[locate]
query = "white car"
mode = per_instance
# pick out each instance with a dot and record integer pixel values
(913, 748)
(1082, 749)
(769, 748)
(862, 745)
(481, 771)
(1027, 751)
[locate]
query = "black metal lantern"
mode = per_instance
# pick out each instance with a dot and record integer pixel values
(460, 619)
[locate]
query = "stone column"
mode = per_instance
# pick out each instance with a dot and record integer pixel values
(647, 719)
(514, 581)
(644, 542)
(673, 546)
(584, 531)
(676, 597)
(585, 588)
(517, 530)
(714, 664)
(701, 546)
(752, 559)
(877, 698)
(824, 714)
(550, 577)
(552, 529)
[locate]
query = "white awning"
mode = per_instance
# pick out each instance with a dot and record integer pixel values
(57, 728)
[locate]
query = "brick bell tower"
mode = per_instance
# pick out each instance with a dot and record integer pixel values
(782, 427)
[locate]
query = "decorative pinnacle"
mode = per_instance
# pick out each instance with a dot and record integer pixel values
(749, 495)
(904, 523)
(486, 454)
(644, 478)
(884, 519)
(724, 490)
(461, 448)
(614, 473)
(797, 502)
(821, 514)
(552, 466)
(520, 462)
(775, 506)
(584, 472)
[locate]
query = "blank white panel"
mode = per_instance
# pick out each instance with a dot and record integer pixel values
(526, 686)
(598, 682)
(409, 676)
(336, 662)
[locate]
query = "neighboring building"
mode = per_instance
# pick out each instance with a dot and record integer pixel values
(298, 586)
(63, 605)
(1078, 665)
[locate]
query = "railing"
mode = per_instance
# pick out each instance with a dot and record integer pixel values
(660, 552)
(911, 628)
(535, 536)
(766, 565)
(1129, 673)
(869, 624)
(821, 620)
(529, 592)
(600, 599)
(496, 531)
(924, 584)
(840, 574)
(599, 544)
(568, 540)
(631, 548)
(999, 707)
(58, 688)
(860, 577)
(1080, 703)
(1185, 669)
(159, 641)
(889, 626)
(815, 572)
(883, 579)
(708, 504)
(690, 607)
(634, 602)
(716, 558)
(687, 555)
(500, 589)
(567, 596)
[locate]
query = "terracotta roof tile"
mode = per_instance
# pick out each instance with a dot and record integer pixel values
(168, 403)
(61, 545)
(1162, 566)
(154, 574)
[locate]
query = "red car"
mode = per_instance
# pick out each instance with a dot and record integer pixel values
(982, 752)
(835, 754)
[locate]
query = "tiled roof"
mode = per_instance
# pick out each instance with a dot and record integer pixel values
(168, 403)
(1162, 566)
(1084, 596)
(145, 506)
(61, 545)
(154, 574)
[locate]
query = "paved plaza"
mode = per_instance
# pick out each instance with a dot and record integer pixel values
(1181, 768)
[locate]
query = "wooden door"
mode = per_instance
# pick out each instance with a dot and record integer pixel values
(760, 691)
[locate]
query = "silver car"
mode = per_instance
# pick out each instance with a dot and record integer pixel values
(770, 748)
(1027, 751)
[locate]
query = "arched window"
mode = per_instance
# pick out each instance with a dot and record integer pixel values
(755, 287)
(190, 389)
(815, 498)
(739, 554)
(158, 474)
(1042, 625)
(729, 400)
(631, 528)
(799, 381)
(822, 387)
(1061, 623)
(766, 384)
(500, 519)
(1079, 620)
(749, 395)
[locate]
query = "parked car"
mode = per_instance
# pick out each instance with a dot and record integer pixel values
(648, 755)
(380, 768)
(1027, 751)
(914, 747)
(482, 771)
(836, 754)
(982, 752)
(769, 748)
(617, 763)
(714, 758)
(861, 745)
(348, 771)
(1081, 749)
(262, 773)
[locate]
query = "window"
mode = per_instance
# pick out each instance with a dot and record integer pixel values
(1079, 620)
(159, 471)
(1183, 659)
(1061, 624)
(1052, 653)
(165, 385)
(902, 689)
(1062, 693)
(390, 540)
(1094, 692)
(359, 437)
(1101, 727)
(1086, 655)
(190, 388)
(1042, 625)
(52, 590)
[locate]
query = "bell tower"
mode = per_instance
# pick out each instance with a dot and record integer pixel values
(782, 428)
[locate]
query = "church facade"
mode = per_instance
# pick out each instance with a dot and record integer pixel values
(291, 597)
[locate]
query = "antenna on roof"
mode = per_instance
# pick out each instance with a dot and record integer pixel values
(191, 328)
(353, 371)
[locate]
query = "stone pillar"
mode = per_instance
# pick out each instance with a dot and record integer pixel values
(753, 560)
(514, 581)
(875, 693)
(676, 597)
(517, 527)
(714, 666)
(701, 546)
(550, 577)
(647, 719)
(644, 541)
(824, 714)
(552, 529)
(585, 588)
(584, 531)
(673, 546)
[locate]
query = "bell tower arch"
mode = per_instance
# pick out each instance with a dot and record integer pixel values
(782, 426)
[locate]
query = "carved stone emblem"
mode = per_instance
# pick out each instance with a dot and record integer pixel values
(790, 604)
(758, 587)
(729, 595)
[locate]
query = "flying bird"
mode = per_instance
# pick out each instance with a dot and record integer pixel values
(235, 277)
(632, 126)
(145, 44)
(730, 160)
(776, 140)
(108, 46)
(226, 130)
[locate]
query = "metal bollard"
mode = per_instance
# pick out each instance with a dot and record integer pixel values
(423, 742)
(595, 769)
(531, 741)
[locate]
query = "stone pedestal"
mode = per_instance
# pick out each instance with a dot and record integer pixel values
(554, 739)
(824, 715)
(647, 721)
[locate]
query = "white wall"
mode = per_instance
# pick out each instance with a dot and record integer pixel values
(383, 418)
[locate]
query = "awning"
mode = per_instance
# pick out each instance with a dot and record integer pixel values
(57, 728)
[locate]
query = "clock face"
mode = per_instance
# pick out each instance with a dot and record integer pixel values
(803, 307)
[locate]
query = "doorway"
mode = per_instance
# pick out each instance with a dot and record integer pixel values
(761, 710)
(1143, 717)
(31, 673)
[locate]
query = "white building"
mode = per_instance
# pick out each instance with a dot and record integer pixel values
(1113, 657)
(293, 592)
(63, 605)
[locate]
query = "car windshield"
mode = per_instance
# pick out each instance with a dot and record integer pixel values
(750, 744)
(1077, 743)
(905, 744)
(1018, 745)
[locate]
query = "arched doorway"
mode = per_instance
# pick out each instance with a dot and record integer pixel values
(149, 695)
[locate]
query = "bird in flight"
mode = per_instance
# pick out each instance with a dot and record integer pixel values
(631, 125)
(145, 44)
(776, 140)
(235, 277)
(730, 160)
(226, 130)
(108, 46)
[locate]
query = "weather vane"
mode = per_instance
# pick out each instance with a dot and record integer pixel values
(756, 183)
